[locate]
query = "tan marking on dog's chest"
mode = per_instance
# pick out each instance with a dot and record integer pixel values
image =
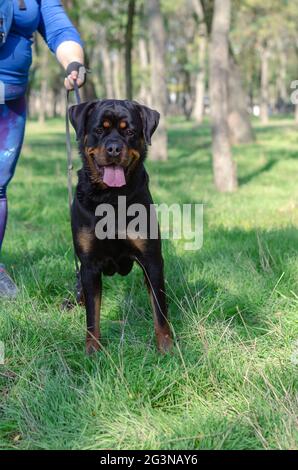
(138, 243)
(85, 239)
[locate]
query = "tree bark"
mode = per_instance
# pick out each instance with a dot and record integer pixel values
(107, 66)
(116, 70)
(145, 92)
(281, 82)
(88, 91)
(128, 48)
(157, 36)
(240, 127)
(198, 109)
(225, 176)
(264, 114)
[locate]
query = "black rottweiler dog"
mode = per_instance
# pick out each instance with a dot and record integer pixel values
(113, 136)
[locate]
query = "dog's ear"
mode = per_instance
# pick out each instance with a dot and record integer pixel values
(150, 120)
(78, 116)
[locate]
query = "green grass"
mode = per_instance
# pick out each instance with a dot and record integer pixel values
(231, 382)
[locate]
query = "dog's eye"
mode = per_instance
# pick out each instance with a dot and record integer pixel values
(99, 130)
(130, 132)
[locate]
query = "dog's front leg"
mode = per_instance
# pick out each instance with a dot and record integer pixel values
(92, 289)
(153, 271)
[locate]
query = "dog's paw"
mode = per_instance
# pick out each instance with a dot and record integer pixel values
(165, 343)
(92, 346)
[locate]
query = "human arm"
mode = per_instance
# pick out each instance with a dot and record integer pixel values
(67, 53)
(61, 37)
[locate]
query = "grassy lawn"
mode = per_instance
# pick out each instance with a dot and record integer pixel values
(232, 380)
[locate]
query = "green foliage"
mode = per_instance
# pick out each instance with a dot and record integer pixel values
(272, 24)
(230, 383)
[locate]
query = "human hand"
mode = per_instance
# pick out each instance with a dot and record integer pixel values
(75, 72)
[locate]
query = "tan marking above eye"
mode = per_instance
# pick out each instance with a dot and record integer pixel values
(106, 124)
(123, 125)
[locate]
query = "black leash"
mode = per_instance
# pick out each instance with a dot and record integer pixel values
(70, 159)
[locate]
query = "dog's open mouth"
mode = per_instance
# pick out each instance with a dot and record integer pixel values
(112, 175)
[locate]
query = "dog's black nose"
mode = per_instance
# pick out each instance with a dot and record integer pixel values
(114, 149)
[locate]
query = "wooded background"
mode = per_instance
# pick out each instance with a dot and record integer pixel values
(230, 59)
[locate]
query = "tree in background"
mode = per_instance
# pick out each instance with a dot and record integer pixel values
(157, 40)
(224, 168)
(129, 47)
(264, 51)
(265, 32)
(240, 129)
(157, 52)
(200, 88)
(144, 94)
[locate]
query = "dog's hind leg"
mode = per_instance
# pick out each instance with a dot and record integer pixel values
(92, 290)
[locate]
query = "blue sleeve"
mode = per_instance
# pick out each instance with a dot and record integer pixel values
(55, 26)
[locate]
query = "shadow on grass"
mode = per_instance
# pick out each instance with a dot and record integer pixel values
(275, 158)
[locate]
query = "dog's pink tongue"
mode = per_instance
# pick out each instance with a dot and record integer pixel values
(113, 176)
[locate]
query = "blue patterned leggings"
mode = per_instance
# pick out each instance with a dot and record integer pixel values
(12, 128)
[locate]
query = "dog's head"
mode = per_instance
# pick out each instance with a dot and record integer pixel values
(113, 136)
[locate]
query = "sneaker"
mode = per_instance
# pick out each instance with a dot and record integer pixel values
(8, 288)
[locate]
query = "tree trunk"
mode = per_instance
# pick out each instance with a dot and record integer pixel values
(157, 36)
(107, 66)
(198, 109)
(145, 92)
(128, 48)
(281, 82)
(264, 115)
(116, 70)
(88, 91)
(240, 127)
(224, 168)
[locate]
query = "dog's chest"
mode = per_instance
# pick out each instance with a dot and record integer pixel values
(113, 256)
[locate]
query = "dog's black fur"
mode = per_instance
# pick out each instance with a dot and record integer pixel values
(102, 127)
